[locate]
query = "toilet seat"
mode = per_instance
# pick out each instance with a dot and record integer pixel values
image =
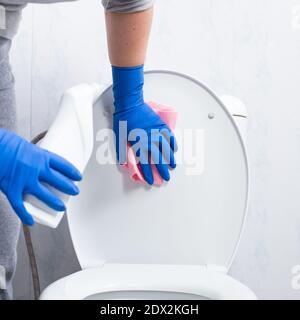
(181, 237)
(197, 280)
(200, 228)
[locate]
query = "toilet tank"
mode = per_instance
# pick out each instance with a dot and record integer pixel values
(195, 219)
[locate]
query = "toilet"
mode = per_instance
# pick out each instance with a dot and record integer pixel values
(176, 241)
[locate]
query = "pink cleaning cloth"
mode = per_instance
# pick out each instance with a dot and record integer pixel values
(169, 116)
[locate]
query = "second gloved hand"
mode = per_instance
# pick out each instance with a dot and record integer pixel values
(25, 166)
(157, 142)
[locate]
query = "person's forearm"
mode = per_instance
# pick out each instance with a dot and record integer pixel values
(127, 37)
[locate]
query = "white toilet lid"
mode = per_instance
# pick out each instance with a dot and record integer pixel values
(194, 219)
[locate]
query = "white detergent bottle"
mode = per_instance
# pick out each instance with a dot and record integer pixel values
(71, 136)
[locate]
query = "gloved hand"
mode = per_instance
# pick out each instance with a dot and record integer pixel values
(23, 168)
(156, 142)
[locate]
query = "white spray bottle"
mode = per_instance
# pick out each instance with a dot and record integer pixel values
(71, 136)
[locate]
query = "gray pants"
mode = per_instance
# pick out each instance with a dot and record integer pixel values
(9, 224)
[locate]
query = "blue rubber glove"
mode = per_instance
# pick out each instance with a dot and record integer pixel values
(23, 166)
(159, 146)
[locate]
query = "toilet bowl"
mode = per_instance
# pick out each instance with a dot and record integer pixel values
(173, 241)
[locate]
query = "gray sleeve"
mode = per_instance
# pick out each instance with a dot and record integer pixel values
(127, 6)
